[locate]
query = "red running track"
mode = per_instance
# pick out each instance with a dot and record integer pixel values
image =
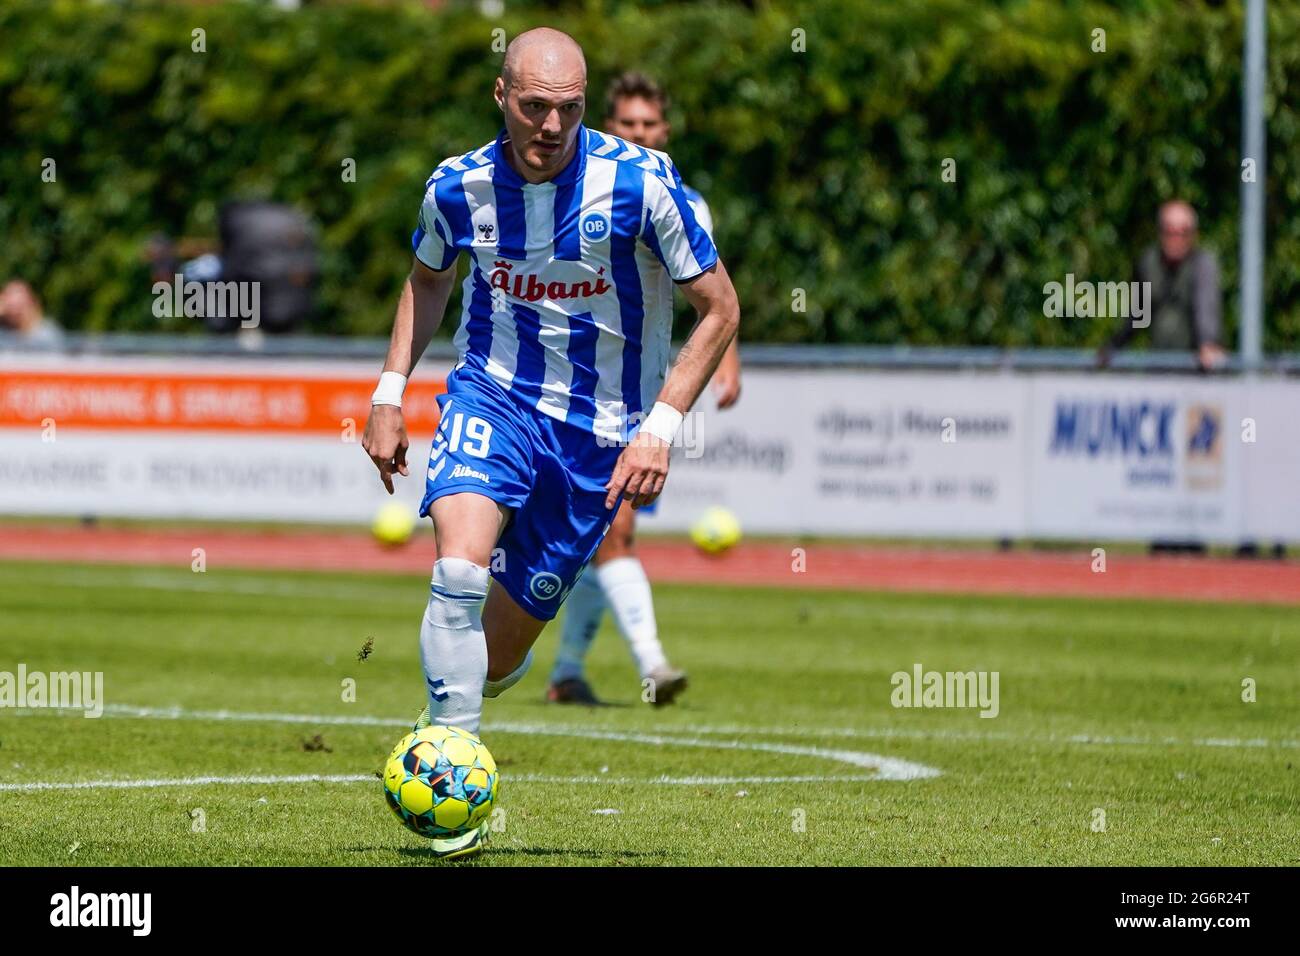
(759, 564)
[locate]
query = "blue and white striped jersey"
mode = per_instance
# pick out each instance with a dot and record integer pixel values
(568, 302)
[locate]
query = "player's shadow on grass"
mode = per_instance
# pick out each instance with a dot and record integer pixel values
(498, 851)
(585, 854)
(580, 708)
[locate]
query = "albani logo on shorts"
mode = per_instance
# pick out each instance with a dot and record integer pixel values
(545, 586)
(461, 471)
(532, 289)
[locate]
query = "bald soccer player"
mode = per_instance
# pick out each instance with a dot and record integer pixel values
(636, 109)
(561, 405)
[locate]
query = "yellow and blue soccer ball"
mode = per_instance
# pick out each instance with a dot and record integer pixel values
(440, 781)
(716, 530)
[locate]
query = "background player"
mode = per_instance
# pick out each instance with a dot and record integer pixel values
(575, 239)
(636, 109)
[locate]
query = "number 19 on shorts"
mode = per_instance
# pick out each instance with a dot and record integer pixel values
(467, 433)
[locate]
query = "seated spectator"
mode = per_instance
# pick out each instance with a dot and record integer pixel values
(1186, 304)
(21, 314)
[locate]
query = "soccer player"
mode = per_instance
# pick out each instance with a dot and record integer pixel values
(561, 405)
(635, 109)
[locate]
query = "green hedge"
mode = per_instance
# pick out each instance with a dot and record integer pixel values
(823, 167)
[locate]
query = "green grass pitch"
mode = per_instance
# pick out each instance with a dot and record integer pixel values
(1131, 709)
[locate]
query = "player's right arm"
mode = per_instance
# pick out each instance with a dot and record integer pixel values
(420, 310)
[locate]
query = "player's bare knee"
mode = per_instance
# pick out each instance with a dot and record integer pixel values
(463, 547)
(482, 556)
(467, 526)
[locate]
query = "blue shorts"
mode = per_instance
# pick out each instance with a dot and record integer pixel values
(552, 474)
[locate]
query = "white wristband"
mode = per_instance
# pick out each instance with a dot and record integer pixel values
(389, 390)
(662, 422)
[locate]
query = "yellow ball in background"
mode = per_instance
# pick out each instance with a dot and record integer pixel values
(394, 524)
(716, 530)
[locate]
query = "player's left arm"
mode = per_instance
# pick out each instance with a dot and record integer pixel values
(718, 308)
(726, 380)
(642, 468)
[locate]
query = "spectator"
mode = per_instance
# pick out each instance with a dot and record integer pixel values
(21, 314)
(1186, 304)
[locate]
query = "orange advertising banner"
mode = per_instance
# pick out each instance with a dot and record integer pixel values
(152, 401)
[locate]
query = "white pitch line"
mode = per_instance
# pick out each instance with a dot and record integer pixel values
(902, 733)
(220, 585)
(864, 733)
(890, 768)
(179, 713)
(271, 779)
(886, 768)
(185, 782)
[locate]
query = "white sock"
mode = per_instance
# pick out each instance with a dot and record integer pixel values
(627, 590)
(495, 688)
(583, 609)
(452, 647)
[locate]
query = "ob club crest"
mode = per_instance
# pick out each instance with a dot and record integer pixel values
(594, 226)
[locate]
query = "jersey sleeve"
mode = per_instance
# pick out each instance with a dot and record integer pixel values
(703, 215)
(431, 241)
(673, 230)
